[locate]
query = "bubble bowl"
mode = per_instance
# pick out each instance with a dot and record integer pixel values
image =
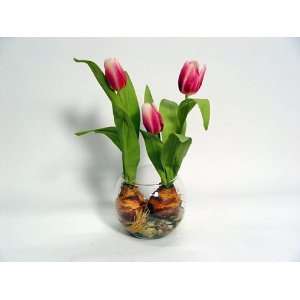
(147, 209)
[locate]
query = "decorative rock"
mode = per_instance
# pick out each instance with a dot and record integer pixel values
(149, 232)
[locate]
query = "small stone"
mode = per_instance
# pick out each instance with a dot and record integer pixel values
(160, 232)
(151, 224)
(149, 232)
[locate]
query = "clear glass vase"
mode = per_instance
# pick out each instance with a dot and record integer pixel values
(148, 209)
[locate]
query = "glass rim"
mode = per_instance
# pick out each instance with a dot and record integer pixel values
(148, 184)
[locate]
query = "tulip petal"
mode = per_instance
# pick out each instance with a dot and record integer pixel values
(114, 73)
(152, 119)
(191, 77)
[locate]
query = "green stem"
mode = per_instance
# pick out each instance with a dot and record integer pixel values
(123, 101)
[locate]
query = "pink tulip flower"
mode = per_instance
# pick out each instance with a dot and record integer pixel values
(191, 77)
(114, 73)
(152, 119)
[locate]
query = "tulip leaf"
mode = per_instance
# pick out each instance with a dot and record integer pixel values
(130, 103)
(127, 120)
(183, 130)
(148, 96)
(99, 75)
(110, 132)
(204, 106)
(154, 149)
(168, 110)
(130, 146)
(186, 106)
(173, 152)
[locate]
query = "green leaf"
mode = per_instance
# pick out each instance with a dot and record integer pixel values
(125, 99)
(186, 106)
(205, 111)
(130, 103)
(168, 110)
(183, 130)
(173, 152)
(110, 132)
(130, 147)
(183, 110)
(154, 149)
(127, 120)
(99, 75)
(148, 96)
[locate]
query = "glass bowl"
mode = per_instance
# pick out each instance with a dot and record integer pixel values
(149, 209)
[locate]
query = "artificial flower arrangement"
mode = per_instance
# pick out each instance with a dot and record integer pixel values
(156, 214)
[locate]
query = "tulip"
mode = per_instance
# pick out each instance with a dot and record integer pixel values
(191, 77)
(114, 73)
(152, 119)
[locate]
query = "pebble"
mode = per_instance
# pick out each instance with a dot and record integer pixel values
(158, 227)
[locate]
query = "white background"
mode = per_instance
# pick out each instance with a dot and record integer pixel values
(241, 176)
